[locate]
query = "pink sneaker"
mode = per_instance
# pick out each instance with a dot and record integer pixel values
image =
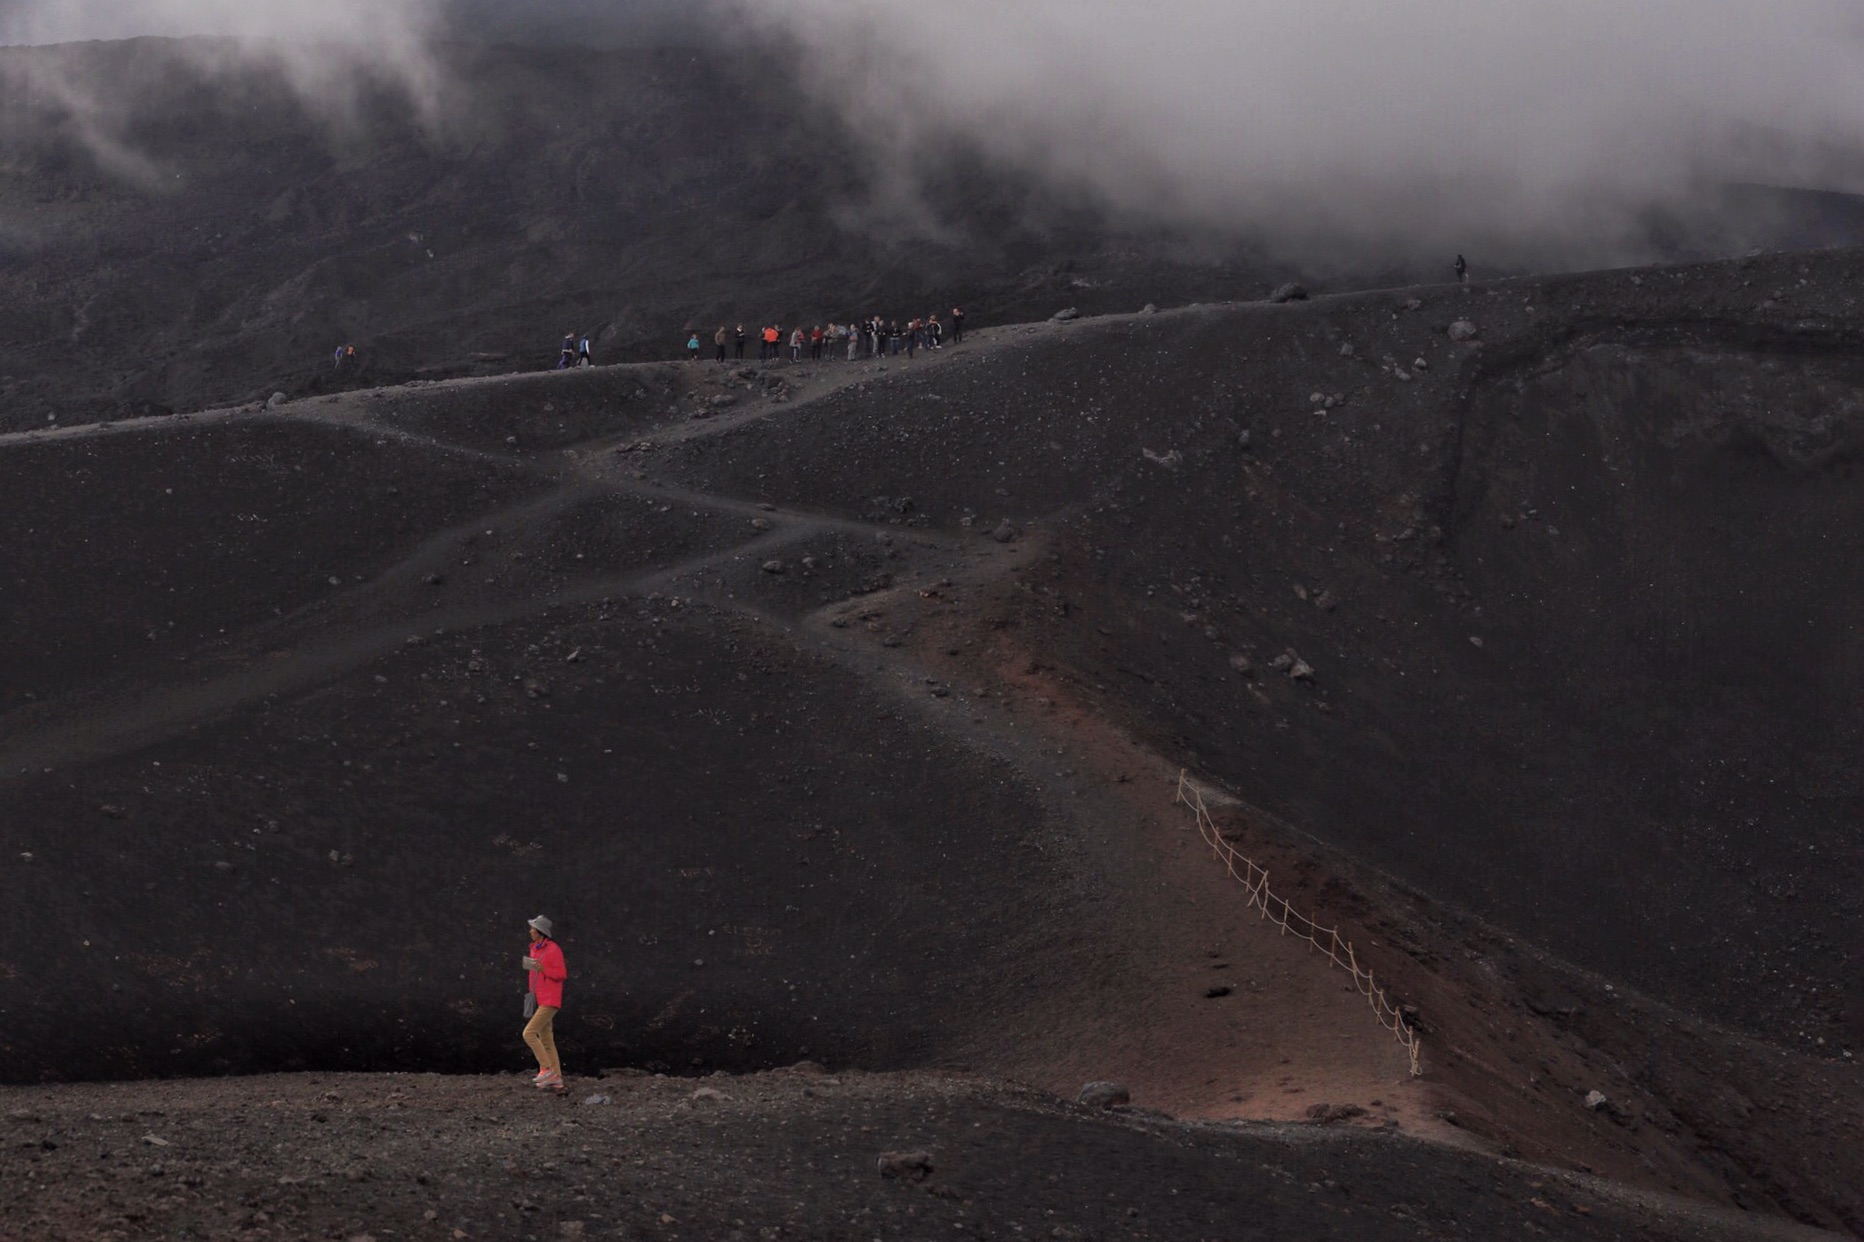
(549, 1079)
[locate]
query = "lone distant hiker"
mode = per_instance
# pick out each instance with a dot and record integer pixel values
(1462, 270)
(957, 325)
(718, 339)
(739, 338)
(547, 973)
(692, 348)
(583, 358)
(566, 356)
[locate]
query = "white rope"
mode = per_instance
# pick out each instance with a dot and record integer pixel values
(1255, 882)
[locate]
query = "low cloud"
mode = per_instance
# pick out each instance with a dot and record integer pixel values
(328, 52)
(1535, 130)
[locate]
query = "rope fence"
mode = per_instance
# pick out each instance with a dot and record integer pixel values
(1276, 910)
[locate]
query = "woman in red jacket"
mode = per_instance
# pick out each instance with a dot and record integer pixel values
(545, 963)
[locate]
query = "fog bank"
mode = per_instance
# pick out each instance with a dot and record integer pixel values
(1522, 129)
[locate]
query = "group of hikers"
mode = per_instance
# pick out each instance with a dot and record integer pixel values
(871, 338)
(574, 352)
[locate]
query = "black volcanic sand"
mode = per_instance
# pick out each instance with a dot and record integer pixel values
(791, 1154)
(711, 666)
(1578, 598)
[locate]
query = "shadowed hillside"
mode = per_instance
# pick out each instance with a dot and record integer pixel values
(188, 233)
(179, 228)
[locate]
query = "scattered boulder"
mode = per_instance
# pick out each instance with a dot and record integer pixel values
(1104, 1095)
(596, 1098)
(1242, 439)
(1218, 992)
(1463, 331)
(1329, 1114)
(1596, 1100)
(703, 1094)
(1241, 664)
(277, 399)
(1289, 292)
(911, 1166)
(1006, 531)
(1171, 459)
(1347, 350)
(773, 567)
(1063, 316)
(1149, 309)
(1420, 364)
(1300, 670)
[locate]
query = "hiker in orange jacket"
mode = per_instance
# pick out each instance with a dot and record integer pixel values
(547, 973)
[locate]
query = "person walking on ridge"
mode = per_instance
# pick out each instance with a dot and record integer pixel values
(718, 339)
(1462, 270)
(544, 964)
(566, 355)
(583, 356)
(692, 348)
(957, 325)
(738, 338)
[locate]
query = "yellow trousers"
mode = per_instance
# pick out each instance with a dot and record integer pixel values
(540, 1034)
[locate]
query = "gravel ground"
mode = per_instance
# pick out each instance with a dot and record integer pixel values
(789, 1154)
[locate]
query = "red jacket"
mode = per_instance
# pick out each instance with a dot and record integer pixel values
(547, 981)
